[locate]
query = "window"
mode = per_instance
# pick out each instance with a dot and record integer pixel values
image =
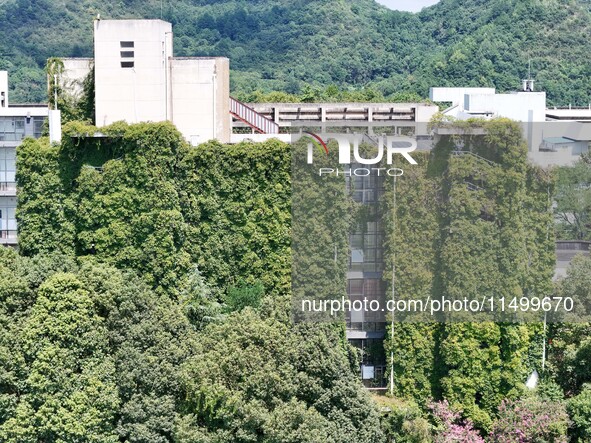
(38, 123)
(127, 64)
(7, 218)
(7, 165)
(12, 128)
(126, 54)
(127, 44)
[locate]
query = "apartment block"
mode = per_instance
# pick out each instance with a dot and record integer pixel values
(16, 123)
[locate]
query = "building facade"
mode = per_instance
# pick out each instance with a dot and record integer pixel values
(16, 123)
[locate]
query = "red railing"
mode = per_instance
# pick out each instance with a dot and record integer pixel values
(252, 118)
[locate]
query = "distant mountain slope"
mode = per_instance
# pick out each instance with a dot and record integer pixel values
(490, 43)
(283, 45)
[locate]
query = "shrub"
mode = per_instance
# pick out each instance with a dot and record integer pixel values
(530, 420)
(579, 411)
(403, 422)
(451, 427)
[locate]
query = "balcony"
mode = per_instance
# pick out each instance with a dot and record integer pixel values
(7, 189)
(8, 237)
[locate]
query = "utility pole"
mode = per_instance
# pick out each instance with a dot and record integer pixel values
(544, 344)
(393, 290)
(55, 92)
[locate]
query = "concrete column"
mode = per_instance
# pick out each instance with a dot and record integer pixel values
(55, 126)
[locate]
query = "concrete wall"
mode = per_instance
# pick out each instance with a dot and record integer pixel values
(456, 95)
(200, 98)
(518, 106)
(192, 93)
(76, 70)
(134, 94)
(424, 113)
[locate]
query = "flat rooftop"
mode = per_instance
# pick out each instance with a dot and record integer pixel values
(569, 114)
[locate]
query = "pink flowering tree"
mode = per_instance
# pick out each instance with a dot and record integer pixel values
(530, 420)
(451, 428)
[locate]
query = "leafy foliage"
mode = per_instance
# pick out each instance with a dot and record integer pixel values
(530, 420)
(403, 421)
(573, 202)
(579, 411)
(570, 349)
(90, 353)
(197, 346)
(138, 198)
(254, 377)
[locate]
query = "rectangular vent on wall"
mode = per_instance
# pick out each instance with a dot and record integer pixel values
(127, 55)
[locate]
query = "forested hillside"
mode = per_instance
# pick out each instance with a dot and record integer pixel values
(300, 46)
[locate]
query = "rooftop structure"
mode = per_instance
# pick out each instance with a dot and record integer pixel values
(554, 136)
(137, 79)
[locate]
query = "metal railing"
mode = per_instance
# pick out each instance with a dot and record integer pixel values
(252, 118)
(8, 237)
(573, 245)
(458, 153)
(8, 187)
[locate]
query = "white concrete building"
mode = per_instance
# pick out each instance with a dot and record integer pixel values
(525, 106)
(137, 79)
(555, 137)
(16, 123)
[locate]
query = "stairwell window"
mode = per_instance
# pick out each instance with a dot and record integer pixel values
(127, 55)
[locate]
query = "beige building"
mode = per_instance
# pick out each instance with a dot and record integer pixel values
(137, 79)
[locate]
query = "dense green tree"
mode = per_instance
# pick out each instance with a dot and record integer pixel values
(257, 379)
(182, 270)
(64, 379)
(569, 353)
(579, 411)
(43, 209)
(573, 202)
